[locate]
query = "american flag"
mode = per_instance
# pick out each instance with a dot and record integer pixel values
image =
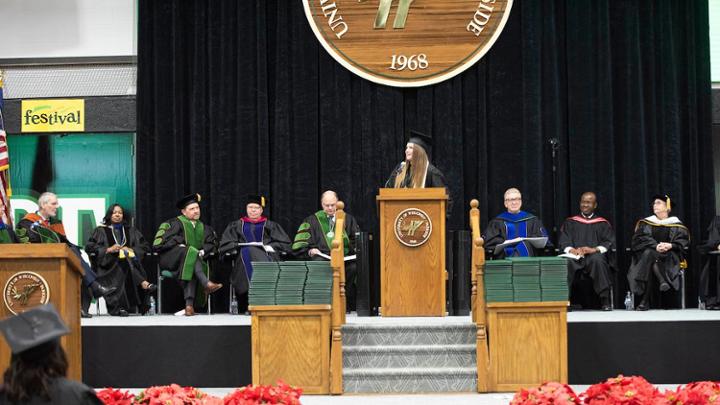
(5, 191)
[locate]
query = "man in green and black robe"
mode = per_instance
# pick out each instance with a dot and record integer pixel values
(315, 236)
(183, 244)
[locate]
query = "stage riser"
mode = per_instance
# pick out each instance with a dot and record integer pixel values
(663, 352)
(220, 356)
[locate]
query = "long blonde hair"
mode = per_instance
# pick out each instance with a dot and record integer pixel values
(419, 163)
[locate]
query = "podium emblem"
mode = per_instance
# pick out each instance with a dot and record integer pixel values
(407, 43)
(25, 290)
(413, 227)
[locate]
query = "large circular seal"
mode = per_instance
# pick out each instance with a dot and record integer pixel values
(413, 227)
(407, 43)
(25, 290)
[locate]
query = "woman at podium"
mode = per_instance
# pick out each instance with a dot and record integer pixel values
(416, 171)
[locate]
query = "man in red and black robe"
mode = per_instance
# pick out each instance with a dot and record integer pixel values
(589, 237)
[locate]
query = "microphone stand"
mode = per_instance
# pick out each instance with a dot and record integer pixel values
(554, 147)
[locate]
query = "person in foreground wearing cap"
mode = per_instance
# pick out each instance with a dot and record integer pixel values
(255, 239)
(38, 364)
(315, 236)
(117, 249)
(710, 274)
(184, 245)
(589, 237)
(512, 225)
(44, 227)
(416, 171)
(657, 255)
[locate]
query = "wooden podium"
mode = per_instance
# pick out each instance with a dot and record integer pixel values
(412, 251)
(48, 271)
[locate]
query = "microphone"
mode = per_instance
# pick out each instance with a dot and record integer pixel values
(397, 171)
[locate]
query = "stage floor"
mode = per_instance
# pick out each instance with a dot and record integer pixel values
(679, 315)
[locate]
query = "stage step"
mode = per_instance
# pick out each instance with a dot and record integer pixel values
(410, 358)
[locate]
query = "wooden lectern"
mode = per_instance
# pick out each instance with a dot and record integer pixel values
(412, 251)
(38, 272)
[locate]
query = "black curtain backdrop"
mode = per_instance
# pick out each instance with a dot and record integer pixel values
(238, 97)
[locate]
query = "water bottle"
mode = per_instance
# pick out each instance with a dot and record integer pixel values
(151, 311)
(234, 306)
(629, 301)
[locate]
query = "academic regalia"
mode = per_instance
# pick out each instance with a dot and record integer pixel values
(509, 226)
(710, 274)
(246, 230)
(433, 178)
(596, 232)
(317, 232)
(120, 270)
(61, 391)
(181, 260)
(7, 235)
(648, 233)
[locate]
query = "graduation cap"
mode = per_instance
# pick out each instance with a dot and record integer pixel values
(420, 139)
(663, 197)
(255, 199)
(187, 200)
(32, 328)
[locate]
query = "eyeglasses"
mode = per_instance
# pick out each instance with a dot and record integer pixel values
(513, 199)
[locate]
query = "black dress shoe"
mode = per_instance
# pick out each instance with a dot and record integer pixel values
(123, 313)
(664, 287)
(642, 307)
(606, 308)
(713, 308)
(84, 314)
(100, 291)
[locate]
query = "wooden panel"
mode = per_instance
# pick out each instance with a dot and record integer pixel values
(61, 269)
(292, 343)
(412, 278)
(528, 344)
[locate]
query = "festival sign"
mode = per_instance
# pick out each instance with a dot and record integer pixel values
(54, 115)
(407, 43)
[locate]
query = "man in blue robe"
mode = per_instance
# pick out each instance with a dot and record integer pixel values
(512, 225)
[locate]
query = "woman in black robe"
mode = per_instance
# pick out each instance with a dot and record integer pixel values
(416, 171)
(710, 274)
(116, 249)
(658, 249)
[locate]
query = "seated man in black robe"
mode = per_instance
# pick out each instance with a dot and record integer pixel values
(658, 249)
(254, 238)
(44, 227)
(512, 225)
(183, 245)
(710, 274)
(315, 235)
(589, 237)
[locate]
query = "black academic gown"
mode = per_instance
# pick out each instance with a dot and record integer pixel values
(310, 235)
(710, 274)
(579, 231)
(126, 274)
(497, 232)
(245, 230)
(62, 391)
(434, 178)
(648, 233)
(167, 243)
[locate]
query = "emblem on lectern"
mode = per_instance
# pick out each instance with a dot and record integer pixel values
(25, 290)
(413, 227)
(407, 43)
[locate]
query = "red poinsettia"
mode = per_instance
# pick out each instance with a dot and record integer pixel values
(624, 390)
(697, 393)
(546, 394)
(264, 394)
(112, 396)
(175, 395)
